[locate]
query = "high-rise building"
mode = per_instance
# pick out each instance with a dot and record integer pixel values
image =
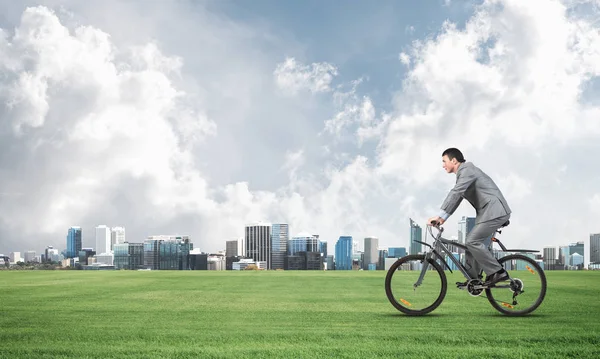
(102, 239)
(465, 225)
(415, 234)
(371, 252)
(575, 248)
(550, 258)
(51, 254)
(257, 242)
(303, 242)
(279, 241)
(117, 236)
(73, 242)
(231, 248)
(594, 248)
(323, 249)
(343, 253)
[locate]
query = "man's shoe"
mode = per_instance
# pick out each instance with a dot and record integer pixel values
(494, 278)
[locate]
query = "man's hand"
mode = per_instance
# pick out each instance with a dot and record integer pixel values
(435, 220)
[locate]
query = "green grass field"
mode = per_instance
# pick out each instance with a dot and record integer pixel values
(300, 314)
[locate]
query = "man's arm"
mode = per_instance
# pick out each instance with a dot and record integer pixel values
(464, 179)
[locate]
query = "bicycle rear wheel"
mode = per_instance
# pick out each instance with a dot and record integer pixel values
(400, 285)
(524, 292)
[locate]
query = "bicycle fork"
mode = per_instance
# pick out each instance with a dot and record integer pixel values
(428, 257)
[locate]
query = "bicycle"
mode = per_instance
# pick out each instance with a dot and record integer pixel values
(521, 268)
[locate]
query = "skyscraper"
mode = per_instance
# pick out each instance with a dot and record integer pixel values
(303, 242)
(117, 236)
(550, 258)
(594, 248)
(465, 225)
(279, 240)
(102, 239)
(371, 252)
(257, 242)
(231, 248)
(415, 234)
(73, 242)
(343, 253)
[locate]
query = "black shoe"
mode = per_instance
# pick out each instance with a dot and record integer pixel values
(499, 276)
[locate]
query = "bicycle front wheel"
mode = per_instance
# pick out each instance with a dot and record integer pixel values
(525, 290)
(405, 295)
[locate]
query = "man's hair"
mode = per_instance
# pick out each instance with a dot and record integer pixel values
(454, 153)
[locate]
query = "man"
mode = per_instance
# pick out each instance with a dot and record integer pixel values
(492, 212)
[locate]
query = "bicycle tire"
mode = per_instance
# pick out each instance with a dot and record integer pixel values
(400, 307)
(538, 302)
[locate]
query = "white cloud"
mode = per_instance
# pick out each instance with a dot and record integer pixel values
(132, 120)
(109, 129)
(404, 58)
(514, 186)
(594, 203)
(292, 77)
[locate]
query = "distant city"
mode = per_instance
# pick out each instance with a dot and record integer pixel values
(265, 246)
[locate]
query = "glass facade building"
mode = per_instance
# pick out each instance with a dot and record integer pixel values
(73, 242)
(415, 234)
(396, 252)
(279, 241)
(129, 255)
(167, 252)
(303, 242)
(343, 253)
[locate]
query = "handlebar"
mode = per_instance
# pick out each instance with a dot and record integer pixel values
(437, 225)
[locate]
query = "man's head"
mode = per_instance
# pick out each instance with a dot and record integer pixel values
(451, 159)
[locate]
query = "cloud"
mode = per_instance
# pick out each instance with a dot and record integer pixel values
(98, 128)
(594, 204)
(86, 119)
(292, 77)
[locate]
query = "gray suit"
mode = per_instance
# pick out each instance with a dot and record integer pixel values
(491, 209)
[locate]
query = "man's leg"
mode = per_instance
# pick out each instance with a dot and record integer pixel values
(478, 256)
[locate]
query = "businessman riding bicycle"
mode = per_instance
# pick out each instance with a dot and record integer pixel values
(492, 212)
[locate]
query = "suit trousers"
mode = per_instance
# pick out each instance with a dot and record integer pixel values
(478, 256)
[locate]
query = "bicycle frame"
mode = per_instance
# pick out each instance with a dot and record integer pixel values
(440, 245)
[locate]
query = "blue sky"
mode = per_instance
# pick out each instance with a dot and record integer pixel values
(196, 117)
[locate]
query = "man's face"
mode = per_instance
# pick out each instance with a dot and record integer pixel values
(449, 165)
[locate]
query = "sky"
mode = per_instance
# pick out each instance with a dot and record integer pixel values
(198, 117)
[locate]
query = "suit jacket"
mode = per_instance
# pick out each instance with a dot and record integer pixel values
(480, 190)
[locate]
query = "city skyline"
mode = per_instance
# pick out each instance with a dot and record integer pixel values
(270, 243)
(198, 117)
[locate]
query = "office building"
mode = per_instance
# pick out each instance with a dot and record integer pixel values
(117, 236)
(465, 225)
(167, 252)
(343, 253)
(74, 242)
(371, 253)
(128, 255)
(415, 234)
(257, 242)
(231, 248)
(594, 248)
(279, 241)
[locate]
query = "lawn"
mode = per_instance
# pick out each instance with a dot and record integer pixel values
(277, 314)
